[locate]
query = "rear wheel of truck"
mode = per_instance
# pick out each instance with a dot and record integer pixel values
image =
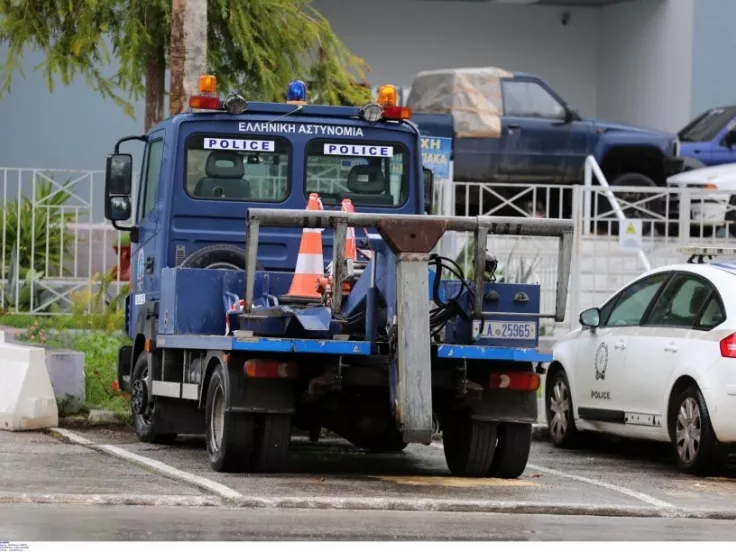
(469, 445)
(229, 435)
(144, 419)
(272, 442)
(512, 450)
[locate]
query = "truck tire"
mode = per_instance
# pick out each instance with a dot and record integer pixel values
(512, 450)
(222, 256)
(144, 419)
(272, 443)
(229, 435)
(469, 445)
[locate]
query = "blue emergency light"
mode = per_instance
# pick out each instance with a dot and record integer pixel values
(297, 92)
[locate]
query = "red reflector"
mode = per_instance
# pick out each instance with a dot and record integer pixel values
(204, 102)
(728, 346)
(395, 113)
(515, 381)
(270, 369)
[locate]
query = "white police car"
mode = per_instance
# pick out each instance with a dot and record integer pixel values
(656, 361)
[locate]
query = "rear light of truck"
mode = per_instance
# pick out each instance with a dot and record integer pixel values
(396, 113)
(270, 369)
(728, 346)
(514, 381)
(204, 102)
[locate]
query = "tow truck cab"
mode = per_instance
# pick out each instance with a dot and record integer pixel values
(202, 170)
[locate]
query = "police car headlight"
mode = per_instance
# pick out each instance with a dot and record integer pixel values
(372, 113)
(235, 104)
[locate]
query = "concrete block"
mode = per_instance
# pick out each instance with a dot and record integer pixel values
(66, 371)
(27, 399)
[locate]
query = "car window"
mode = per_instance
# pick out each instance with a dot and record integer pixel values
(153, 169)
(680, 303)
(632, 302)
(530, 99)
(712, 315)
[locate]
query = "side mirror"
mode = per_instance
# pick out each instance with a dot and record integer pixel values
(730, 138)
(590, 318)
(428, 189)
(118, 185)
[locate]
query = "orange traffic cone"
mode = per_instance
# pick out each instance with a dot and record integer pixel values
(351, 249)
(310, 265)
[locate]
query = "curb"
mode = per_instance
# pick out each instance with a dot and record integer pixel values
(365, 504)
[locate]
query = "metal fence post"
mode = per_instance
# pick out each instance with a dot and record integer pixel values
(588, 185)
(684, 216)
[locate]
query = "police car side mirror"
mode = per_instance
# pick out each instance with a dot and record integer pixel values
(590, 318)
(118, 185)
(428, 189)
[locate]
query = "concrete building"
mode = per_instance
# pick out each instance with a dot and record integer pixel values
(653, 63)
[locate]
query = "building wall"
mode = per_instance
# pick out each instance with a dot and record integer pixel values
(645, 63)
(399, 38)
(714, 47)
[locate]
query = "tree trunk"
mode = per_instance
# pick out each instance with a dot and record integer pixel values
(155, 86)
(188, 50)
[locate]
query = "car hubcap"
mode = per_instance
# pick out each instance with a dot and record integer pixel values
(217, 420)
(688, 430)
(139, 398)
(559, 406)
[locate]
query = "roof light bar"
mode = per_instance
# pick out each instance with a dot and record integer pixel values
(296, 93)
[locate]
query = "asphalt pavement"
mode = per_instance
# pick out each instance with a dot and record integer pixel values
(111, 486)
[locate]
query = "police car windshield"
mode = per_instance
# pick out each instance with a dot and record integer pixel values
(369, 174)
(229, 168)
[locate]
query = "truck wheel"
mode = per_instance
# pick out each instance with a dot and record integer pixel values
(272, 443)
(229, 435)
(512, 450)
(144, 419)
(469, 445)
(222, 256)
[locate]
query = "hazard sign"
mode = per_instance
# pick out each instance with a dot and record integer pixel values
(629, 234)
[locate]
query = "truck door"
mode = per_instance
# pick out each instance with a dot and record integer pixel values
(537, 144)
(145, 280)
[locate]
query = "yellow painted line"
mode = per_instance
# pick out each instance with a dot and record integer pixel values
(440, 481)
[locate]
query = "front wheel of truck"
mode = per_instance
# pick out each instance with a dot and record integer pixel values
(512, 450)
(469, 445)
(229, 435)
(143, 412)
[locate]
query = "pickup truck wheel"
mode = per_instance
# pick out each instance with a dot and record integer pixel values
(229, 435)
(469, 445)
(272, 442)
(512, 450)
(645, 208)
(222, 256)
(144, 419)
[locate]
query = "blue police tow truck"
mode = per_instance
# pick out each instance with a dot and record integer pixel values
(378, 349)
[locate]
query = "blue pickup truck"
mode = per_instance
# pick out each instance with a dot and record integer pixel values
(513, 127)
(710, 138)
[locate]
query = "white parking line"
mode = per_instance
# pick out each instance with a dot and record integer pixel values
(159, 467)
(616, 488)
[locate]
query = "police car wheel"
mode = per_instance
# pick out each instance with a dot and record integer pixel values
(229, 435)
(273, 435)
(144, 419)
(560, 418)
(694, 441)
(469, 445)
(512, 450)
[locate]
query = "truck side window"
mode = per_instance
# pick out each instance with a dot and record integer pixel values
(530, 99)
(153, 170)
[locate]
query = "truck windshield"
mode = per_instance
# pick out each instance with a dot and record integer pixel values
(369, 174)
(707, 126)
(235, 168)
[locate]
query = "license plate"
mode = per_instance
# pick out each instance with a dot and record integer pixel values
(493, 329)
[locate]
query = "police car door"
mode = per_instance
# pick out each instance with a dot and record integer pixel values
(600, 375)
